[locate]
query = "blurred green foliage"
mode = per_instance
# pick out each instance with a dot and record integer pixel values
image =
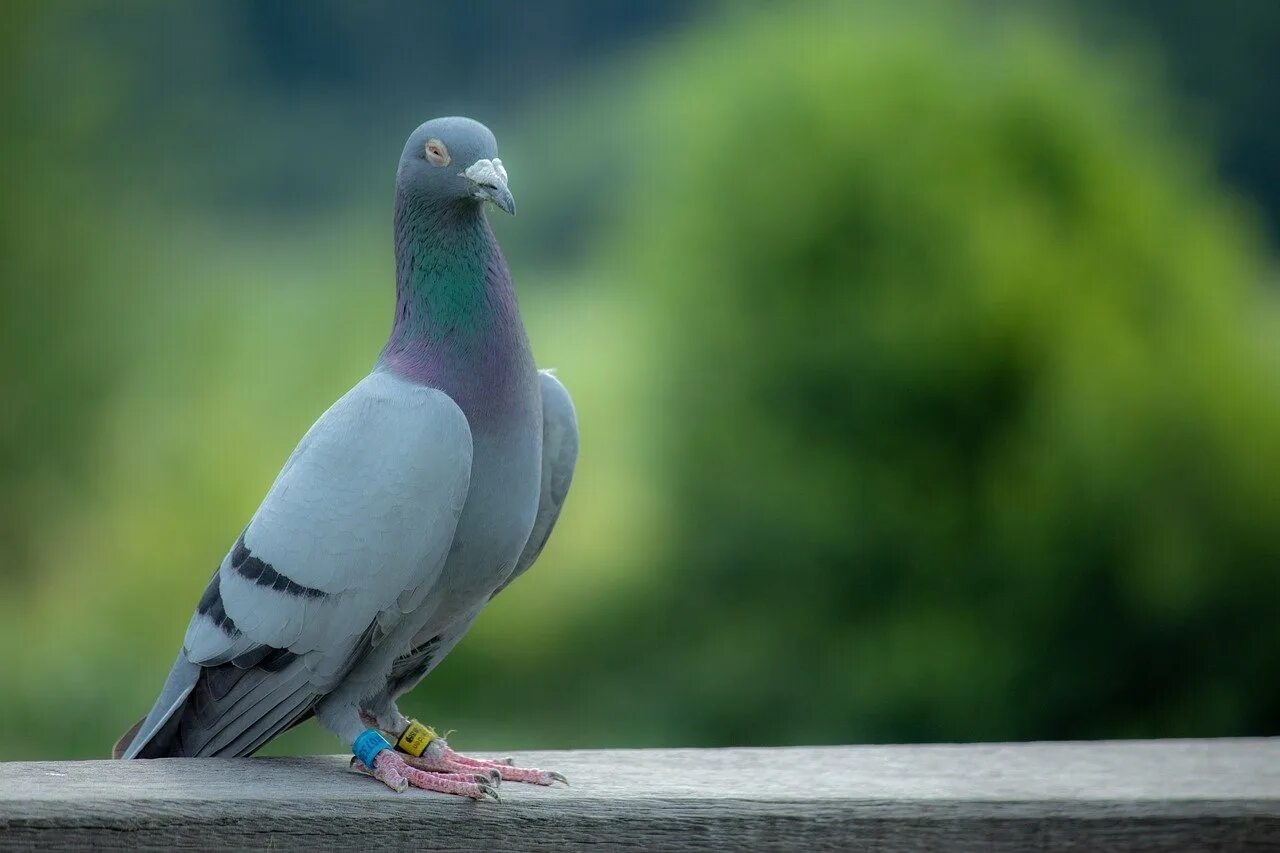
(973, 425)
(56, 360)
(1223, 66)
(927, 381)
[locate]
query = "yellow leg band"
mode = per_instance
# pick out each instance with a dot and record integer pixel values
(416, 738)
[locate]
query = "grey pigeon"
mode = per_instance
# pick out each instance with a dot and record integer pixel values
(411, 502)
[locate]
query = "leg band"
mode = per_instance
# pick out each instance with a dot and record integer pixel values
(416, 738)
(367, 746)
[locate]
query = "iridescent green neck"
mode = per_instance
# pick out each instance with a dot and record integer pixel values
(442, 254)
(457, 325)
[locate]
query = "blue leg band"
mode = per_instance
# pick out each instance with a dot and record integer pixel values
(367, 746)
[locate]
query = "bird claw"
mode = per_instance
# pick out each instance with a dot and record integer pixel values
(397, 774)
(440, 758)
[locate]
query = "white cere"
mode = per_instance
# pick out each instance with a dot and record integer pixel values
(487, 173)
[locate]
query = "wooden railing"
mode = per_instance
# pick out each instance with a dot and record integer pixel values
(1123, 795)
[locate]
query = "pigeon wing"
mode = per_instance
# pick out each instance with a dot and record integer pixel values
(358, 523)
(559, 457)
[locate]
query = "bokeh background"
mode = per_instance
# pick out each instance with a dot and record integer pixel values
(927, 355)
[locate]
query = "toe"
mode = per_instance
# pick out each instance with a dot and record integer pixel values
(389, 772)
(466, 784)
(531, 775)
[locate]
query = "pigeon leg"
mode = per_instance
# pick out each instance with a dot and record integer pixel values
(393, 770)
(375, 757)
(439, 757)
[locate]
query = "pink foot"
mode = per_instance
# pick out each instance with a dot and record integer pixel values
(394, 770)
(440, 758)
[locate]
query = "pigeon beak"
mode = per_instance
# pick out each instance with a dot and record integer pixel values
(490, 179)
(502, 197)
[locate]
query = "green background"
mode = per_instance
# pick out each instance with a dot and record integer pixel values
(925, 355)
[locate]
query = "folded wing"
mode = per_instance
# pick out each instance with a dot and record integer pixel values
(350, 537)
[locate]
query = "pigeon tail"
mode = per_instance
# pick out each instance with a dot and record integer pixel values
(158, 726)
(117, 751)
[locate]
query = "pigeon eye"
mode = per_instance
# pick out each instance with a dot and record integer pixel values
(437, 154)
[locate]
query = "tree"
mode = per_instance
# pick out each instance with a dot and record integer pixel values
(973, 424)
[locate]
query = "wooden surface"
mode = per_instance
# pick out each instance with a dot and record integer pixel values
(1136, 795)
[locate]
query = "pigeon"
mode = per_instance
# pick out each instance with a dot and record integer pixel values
(417, 497)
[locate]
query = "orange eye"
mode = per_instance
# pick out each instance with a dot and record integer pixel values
(437, 154)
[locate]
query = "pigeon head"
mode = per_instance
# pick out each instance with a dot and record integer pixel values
(453, 161)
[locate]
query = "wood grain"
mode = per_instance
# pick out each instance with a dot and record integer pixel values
(1125, 795)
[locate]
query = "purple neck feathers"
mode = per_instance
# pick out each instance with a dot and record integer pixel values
(457, 325)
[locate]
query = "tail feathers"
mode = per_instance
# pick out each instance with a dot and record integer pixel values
(150, 735)
(224, 710)
(232, 708)
(122, 744)
(234, 711)
(297, 705)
